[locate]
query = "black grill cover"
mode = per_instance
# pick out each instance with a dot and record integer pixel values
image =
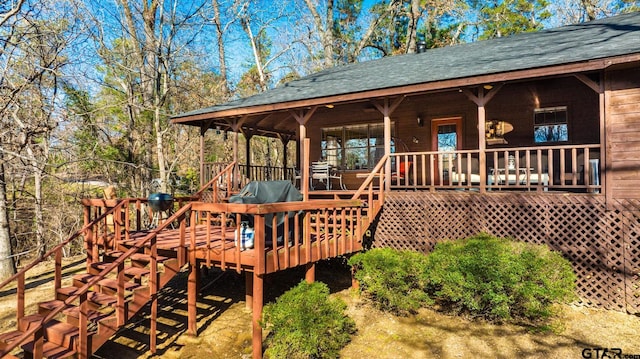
(260, 192)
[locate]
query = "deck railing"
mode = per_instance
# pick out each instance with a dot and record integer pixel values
(220, 186)
(250, 173)
(575, 168)
(286, 233)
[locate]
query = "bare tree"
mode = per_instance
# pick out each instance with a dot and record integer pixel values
(576, 11)
(30, 58)
(142, 58)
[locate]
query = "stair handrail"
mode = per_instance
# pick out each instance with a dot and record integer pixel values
(62, 244)
(84, 289)
(367, 186)
(20, 275)
(228, 172)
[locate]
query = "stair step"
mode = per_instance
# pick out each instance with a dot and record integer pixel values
(105, 282)
(135, 272)
(45, 308)
(92, 315)
(138, 257)
(9, 337)
(26, 322)
(57, 332)
(51, 350)
(95, 297)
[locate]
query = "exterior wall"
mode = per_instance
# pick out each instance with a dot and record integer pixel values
(602, 244)
(622, 98)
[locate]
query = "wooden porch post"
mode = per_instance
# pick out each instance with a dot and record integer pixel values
(305, 174)
(247, 150)
(303, 117)
(482, 141)
(387, 109)
(236, 126)
(204, 178)
(285, 141)
(387, 145)
(599, 88)
(481, 100)
(202, 174)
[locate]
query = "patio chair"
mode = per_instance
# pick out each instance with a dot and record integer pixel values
(402, 175)
(323, 172)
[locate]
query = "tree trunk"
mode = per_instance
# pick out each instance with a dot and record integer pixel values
(39, 218)
(7, 266)
(221, 51)
(256, 54)
(326, 31)
(413, 26)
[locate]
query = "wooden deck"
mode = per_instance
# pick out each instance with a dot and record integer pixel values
(216, 247)
(128, 263)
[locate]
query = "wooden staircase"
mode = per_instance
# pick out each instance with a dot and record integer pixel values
(60, 335)
(82, 316)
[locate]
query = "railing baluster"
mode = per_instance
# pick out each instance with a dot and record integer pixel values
(153, 279)
(287, 246)
(57, 282)
(20, 294)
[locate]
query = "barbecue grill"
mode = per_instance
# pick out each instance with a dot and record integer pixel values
(160, 202)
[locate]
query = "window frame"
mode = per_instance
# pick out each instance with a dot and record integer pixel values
(554, 125)
(373, 143)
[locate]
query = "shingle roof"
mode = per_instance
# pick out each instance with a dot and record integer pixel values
(610, 37)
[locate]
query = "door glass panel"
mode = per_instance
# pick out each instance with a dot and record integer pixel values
(447, 138)
(447, 141)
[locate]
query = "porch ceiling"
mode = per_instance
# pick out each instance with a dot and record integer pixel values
(576, 48)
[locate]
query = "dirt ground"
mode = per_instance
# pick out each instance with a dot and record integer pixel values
(224, 324)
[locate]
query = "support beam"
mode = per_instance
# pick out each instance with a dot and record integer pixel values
(258, 298)
(597, 87)
(248, 296)
(248, 135)
(192, 308)
(203, 131)
(310, 273)
(305, 173)
(236, 126)
(284, 139)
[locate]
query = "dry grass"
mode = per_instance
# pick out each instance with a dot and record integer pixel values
(224, 324)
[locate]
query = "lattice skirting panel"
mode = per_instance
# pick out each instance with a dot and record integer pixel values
(603, 245)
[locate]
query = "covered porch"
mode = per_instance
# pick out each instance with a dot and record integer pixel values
(540, 134)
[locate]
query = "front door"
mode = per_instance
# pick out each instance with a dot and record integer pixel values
(446, 136)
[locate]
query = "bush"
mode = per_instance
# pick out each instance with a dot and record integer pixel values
(394, 280)
(499, 279)
(306, 323)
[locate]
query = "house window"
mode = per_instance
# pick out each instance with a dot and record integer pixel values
(550, 124)
(353, 147)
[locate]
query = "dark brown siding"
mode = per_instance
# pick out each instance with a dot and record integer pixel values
(623, 132)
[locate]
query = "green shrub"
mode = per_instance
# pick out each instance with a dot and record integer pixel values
(306, 323)
(498, 279)
(394, 280)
